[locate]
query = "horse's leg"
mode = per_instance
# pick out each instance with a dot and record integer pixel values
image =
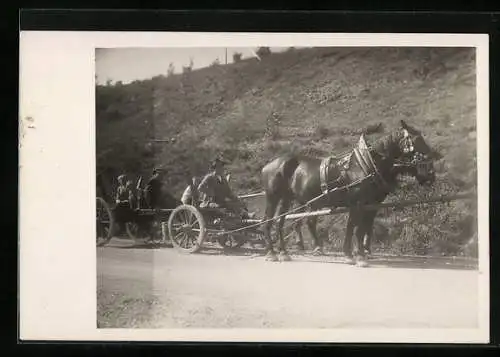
(367, 238)
(347, 246)
(283, 208)
(297, 226)
(272, 202)
(361, 231)
(318, 242)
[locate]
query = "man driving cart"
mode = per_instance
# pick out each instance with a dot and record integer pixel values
(216, 192)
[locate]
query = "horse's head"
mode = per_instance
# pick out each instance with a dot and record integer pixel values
(417, 155)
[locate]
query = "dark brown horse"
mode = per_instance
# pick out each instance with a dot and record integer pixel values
(363, 176)
(361, 220)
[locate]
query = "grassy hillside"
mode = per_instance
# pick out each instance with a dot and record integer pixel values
(308, 100)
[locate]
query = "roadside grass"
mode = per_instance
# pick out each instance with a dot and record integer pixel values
(120, 310)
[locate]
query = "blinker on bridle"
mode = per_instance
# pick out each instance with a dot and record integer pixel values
(419, 160)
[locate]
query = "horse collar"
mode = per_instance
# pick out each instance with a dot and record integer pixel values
(365, 160)
(323, 173)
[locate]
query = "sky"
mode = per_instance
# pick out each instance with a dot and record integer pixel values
(129, 64)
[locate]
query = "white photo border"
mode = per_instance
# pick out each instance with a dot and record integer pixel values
(57, 253)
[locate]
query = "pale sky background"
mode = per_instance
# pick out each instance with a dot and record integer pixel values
(129, 64)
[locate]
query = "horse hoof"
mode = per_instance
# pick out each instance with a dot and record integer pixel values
(272, 258)
(284, 257)
(318, 251)
(362, 263)
(349, 260)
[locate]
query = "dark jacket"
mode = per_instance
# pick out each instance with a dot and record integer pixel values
(153, 192)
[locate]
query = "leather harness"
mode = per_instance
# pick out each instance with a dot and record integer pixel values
(363, 157)
(342, 162)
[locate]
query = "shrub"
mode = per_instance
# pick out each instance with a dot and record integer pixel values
(273, 122)
(188, 68)
(170, 70)
(237, 57)
(321, 132)
(216, 62)
(263, 52)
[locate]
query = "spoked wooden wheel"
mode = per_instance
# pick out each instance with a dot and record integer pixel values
(137, 234)
(104, 222)
(153, 234)
(186, 228)
(132, 230)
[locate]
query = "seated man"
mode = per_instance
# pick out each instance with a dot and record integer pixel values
(190, 195)
(124, 199)
(131, 194)
(124, 194)
(216, 192)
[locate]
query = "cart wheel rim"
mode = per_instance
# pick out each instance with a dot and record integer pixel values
(104, 222)
(186, 228)
(132, 230)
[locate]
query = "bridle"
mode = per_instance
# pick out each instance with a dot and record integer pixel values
(418, 160)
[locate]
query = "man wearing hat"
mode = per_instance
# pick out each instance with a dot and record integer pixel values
(216, 192)
(152, 190)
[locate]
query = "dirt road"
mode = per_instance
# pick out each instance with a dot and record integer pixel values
(142, 287)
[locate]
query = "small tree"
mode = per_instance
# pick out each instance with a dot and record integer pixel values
(273, 123)
(263, 52)
(237, 56)
(216, 62)
(170, 70)
(189, 68)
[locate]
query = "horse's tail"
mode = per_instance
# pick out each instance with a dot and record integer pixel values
(289, 167)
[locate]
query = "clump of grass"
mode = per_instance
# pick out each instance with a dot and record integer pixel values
(321, 132)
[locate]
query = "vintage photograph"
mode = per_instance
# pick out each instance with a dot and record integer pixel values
(286, 187)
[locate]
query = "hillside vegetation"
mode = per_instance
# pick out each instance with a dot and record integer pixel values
(314, 101)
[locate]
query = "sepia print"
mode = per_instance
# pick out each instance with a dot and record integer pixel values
(264, 188)
(338, 159)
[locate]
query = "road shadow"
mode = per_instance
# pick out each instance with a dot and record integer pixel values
(257, 251)
(376, 261)
(127, 243)
(146, 246)
(250, 252)
(393, 262)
